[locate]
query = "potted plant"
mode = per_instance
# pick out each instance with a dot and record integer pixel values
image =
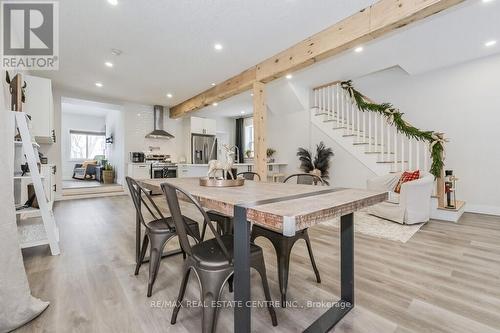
(270, 152)
(248, 156)
(108, 174)
(320, 164)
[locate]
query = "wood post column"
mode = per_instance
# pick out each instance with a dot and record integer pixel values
(260, 129)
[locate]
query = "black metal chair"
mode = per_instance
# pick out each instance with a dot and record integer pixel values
(249, 175)
(283, 245)
(224, 222)
(211, 260)
(158, 231)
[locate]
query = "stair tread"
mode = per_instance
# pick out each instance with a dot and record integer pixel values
(399, 161)
(378, 152)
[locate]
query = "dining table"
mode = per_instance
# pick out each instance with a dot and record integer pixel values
(285, 208)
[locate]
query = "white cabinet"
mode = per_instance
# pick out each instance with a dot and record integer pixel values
(187, 170)
(139, 171)
(203, 126)
(40, 106)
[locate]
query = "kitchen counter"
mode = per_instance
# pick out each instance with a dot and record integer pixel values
(200, 170)
(235, 164)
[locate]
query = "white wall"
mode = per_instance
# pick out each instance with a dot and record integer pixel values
(287, 131)
(464, 102)
(138, 121)
(81, 123)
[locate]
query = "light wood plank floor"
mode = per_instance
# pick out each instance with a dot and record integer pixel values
(445, 279)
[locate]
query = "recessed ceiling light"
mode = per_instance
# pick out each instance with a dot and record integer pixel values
(486, 1)
(242, 112)
(108, 64)
(218, 46)
(98, 84)
(490, 43)
(358, 49)
(116, 52)
(213, 84)
(169, 95)
(113, 2)
(289, 76)
(251, 94)
(215, 104)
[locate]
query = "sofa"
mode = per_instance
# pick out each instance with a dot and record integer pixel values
(412, 205)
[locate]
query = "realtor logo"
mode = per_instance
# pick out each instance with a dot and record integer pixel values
(30, 37)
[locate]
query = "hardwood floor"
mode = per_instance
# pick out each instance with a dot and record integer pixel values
(445, 279)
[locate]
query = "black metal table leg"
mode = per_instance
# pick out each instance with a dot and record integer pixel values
(137, 238)
(333, 315)
(242, 311)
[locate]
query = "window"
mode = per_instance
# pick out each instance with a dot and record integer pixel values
(249, 141)
(86, 145)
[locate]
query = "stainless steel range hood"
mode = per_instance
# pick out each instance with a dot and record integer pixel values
(158, 132)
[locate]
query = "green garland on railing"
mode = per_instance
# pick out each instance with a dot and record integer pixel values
(395, 117)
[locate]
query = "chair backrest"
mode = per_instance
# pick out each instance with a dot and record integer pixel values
(304, 178)
(171, 193)
(249, 175)
(137, 192)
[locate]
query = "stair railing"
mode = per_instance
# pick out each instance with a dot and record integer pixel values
(370, 129)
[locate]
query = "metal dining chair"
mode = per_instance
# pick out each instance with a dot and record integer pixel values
(211, 260)
(225, 222)
(249, 175)
(305, 179)
(283, 244)
(158, 231)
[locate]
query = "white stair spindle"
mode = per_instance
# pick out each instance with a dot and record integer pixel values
(418, 154)
(315, 103)
(327, 102)
(358, 124)
(364, 125)
(426, 158)
(395, 150)
(337, 103)
(403, 141)
(383, 148)
(348, 113)
(370, 131)
(375, 123)
(410, 157)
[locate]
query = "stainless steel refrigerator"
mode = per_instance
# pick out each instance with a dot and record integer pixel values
(203, 148)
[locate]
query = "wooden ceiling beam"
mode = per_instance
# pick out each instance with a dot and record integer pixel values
(372, 22)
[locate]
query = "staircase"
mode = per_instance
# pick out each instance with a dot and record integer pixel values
(368, 136)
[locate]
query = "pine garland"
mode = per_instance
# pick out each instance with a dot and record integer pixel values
(395, 117)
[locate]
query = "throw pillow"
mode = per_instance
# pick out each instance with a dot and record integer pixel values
(407, 176)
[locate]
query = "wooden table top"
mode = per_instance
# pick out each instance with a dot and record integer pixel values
(277, 206)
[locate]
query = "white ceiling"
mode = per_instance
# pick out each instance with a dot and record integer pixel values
(88, 108)
(168, 45)
(449, 38)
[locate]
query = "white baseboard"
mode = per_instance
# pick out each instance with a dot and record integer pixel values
(483, 209)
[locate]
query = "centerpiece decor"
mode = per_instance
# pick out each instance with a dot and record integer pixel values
(394, 116)
(226, 167)
(318, 166)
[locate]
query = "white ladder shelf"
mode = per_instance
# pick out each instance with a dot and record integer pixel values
(47, 232)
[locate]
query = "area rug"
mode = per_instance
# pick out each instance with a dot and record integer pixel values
(370, 225)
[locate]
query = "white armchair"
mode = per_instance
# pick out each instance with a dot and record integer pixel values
(413, 203)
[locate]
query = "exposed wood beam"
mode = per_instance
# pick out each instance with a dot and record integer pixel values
(260, 129)
(226, 89)
(372, 22)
